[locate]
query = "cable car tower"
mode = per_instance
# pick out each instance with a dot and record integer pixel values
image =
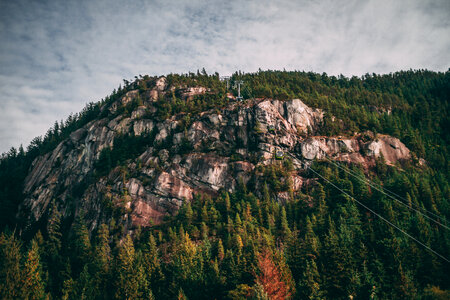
(238, 84)
(227, 79)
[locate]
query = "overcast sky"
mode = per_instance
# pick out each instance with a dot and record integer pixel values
(55, 56)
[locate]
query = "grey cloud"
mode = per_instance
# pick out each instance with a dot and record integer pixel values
(57, 55)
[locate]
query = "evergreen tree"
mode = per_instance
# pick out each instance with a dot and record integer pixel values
(284, 226)
(11, 279)
(309, 284)
(335, 260)
(80, 246)
(33, 286)
(152, 265)
(186, 214)
(102, 250)
(52, 260)
(220, 250)
(84, 287)
(102, 261)
(126, 282)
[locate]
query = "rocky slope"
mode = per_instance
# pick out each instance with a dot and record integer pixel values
(224, 145)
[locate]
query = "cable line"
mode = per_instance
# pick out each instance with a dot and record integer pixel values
(381, 189)
(385, 189)
(381, 217)
(250, 93)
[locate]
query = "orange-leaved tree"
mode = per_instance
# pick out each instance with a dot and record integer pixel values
(270, 277)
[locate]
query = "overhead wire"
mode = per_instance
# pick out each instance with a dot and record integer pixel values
(250, 93)
(380, 216)
(382, 190)
(390, 194)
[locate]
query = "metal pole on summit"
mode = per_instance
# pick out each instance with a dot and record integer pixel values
(239, 89)
(227, 79)
(239, 82)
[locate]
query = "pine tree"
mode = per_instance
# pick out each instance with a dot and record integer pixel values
(84, 287)
(187, 266)
(259, 292)
(284, 227)
(126, 282)
(238, 223)
(310, 245)
(238, 244)
(54, 232)
(295, 257)
(220, 250)
(141, 279)
(204, 231)
(188, 214)
(214, 282)
(335, 265)
(103, 250)
(204, 214)
(102, 261)
(404, 287)
(80, 245)
(33, 287)
(10, 269)
(227, 203)
(309, 284)
(152, 265)
(68, 289)
(181, 295)
(52, 258)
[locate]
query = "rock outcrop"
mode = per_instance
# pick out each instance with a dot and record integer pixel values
(355, 149)
(225, 145)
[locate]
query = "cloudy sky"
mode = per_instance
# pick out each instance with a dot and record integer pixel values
(55, 56)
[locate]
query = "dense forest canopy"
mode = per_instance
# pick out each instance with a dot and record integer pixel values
(319, 244)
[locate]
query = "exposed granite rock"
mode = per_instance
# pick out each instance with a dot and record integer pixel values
(171, 186)
(143, 126)
(161, 84)
(190, 92)
(227, 145)
(392, 149)
(355, 150)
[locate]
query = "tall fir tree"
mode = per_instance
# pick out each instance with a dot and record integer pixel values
(11, 276)
(33, 286)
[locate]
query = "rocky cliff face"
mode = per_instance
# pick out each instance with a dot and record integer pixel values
(356, 149)
(225, 145)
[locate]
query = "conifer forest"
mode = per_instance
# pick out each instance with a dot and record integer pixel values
(369, 230)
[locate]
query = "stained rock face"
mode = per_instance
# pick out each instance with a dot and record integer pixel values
(224, 145)
(391, 148)
(354, 150)
(190, 92)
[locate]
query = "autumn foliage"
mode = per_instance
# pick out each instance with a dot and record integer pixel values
(270, 278)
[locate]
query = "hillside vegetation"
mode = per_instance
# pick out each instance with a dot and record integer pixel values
(318, 243)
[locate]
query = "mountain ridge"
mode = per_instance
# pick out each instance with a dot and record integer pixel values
(240, 129)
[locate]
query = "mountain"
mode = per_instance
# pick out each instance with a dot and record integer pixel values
(306, 175)
(182, 156)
